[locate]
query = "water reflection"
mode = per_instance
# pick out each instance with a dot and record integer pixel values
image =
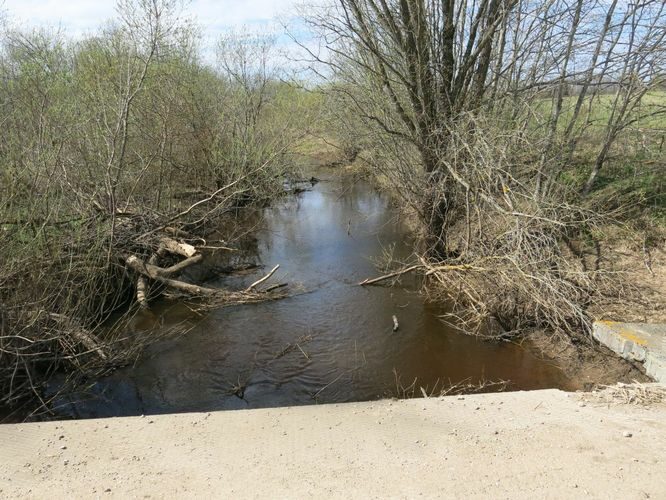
(332, 344)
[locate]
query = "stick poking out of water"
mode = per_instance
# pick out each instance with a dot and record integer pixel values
(395, 323)
(260, 281)
(387, 276)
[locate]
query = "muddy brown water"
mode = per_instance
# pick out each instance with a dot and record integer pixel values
(326, 240)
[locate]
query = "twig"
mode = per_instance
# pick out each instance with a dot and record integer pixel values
(304, 354)
(275, 287)
(314, 396)
(647, 258)
(228, 249)
(460, 267)
(205, 200)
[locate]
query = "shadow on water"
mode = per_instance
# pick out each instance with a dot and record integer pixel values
(333, 343)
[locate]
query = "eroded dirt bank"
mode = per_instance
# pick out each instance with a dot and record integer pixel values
(511, 445)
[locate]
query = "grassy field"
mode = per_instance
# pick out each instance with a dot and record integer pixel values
(634, 174)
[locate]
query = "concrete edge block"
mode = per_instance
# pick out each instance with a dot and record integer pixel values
(610, 334)
(655, 366)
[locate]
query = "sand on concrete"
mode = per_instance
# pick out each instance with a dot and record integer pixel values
(541, 444)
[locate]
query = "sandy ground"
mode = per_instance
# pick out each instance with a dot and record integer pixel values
(541, 444)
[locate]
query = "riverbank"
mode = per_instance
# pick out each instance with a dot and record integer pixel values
(519, 445)
(633, 263)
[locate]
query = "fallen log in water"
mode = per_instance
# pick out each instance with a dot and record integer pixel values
(146, 270)
(166, 245)
(162, 274)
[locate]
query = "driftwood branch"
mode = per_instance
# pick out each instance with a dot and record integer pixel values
(188, 287)
(160, 274)
(163, 275)
(389, 276)
(429, 271)
(260, 281)
(142, 291)
(181, 266)
(80, 334)
(152, 271)
(213, 247)
(173, 246)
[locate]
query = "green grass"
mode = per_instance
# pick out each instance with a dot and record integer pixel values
(601, 109)
(634, 174)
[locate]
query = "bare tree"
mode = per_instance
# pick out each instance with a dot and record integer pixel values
(426, 63)
(475, 110)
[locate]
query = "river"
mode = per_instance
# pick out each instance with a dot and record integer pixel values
(332, 341)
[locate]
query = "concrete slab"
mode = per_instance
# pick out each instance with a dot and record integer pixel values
(641, 342)
(540, 444)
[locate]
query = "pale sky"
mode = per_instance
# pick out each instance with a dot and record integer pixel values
(78, 17)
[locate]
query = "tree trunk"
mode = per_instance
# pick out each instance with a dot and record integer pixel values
(596, 169)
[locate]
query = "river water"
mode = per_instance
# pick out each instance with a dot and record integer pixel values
(331, 342)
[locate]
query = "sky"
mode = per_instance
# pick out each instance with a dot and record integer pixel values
(78, 17)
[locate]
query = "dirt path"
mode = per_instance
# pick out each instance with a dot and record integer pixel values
(541, 444)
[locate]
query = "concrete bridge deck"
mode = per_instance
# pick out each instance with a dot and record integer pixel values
(541, 444)
(640, 342)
